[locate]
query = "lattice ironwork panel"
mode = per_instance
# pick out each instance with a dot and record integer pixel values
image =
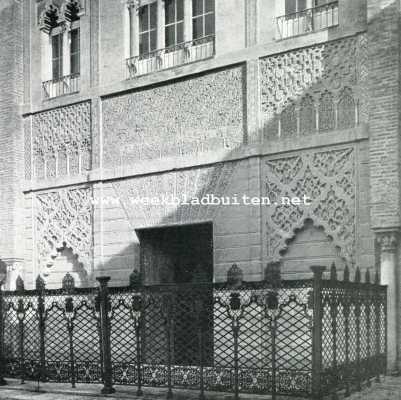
(86, 340)
(123, 339)
(56, 340)
(11, 337)
(155, 343)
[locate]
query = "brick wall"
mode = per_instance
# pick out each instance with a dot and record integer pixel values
(383, 44)
(11, 143)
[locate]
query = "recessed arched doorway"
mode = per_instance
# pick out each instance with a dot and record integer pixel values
(63, 262)
(310, 246)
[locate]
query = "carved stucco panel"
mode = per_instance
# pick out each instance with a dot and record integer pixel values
(181, 118)
(186, 184)
(61, 141)
(288, 78)
(328, 179)
(63, 218)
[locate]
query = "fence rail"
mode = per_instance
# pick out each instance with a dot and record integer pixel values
(303, 337)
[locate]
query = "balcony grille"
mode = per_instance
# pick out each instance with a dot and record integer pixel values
(60, 87)
(309, 20)
(169, 57)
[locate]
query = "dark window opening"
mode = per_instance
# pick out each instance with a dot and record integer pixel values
(57, 56)
(203, 19)
(75, 52)
(147, 28)
(174, 24)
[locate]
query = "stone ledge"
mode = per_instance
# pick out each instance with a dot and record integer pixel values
(148, 167)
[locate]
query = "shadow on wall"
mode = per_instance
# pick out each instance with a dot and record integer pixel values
(311, 91)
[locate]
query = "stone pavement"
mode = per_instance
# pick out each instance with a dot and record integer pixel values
(388, 389)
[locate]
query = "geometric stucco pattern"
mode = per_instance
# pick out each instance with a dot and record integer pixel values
(328, 179)
(182, 184)
(64, 218)
(317, 79)
(174, 119)
(61, 141)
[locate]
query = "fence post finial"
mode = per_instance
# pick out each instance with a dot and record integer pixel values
(346, 274)
(68, 283)
(357, 278)
(377, 277)
(333, 272)
(135, 278)
(40, 283)
(235, 276)
(19, 284)
(367, 276)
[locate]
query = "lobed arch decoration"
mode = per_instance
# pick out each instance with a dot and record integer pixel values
(63, 220)
(313, 86)
(328, 179)
(54, 13)
(64, 260)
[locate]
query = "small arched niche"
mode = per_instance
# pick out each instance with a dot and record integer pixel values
(65, 261)
(310, 246)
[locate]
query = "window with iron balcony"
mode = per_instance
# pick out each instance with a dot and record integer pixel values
(299, 17)
(60, 47)
(168, 33)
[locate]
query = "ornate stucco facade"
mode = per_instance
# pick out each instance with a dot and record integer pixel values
(315, 114)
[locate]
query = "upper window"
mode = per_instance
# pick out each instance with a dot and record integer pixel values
(57, 56)
(294, 6)
(157, 35)
(75, 50)
(147, 28)
(202, 18)
(174, 27)
(60, 23)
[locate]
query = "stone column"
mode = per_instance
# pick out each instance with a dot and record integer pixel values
(133, 29)
(187, 20)
(388, 242)
(161, 19)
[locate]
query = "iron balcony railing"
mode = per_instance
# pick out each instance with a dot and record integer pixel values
(183, 53)
(309, 20)
(59, 87)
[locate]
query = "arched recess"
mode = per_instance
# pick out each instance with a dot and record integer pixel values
(310, 246)
(61, 262)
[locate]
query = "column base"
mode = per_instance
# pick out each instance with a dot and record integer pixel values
(108, 390)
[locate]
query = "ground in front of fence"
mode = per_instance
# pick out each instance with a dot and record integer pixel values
(61, 391)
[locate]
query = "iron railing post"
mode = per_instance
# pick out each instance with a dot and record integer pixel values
(317, 332)
(358, 297)
(105, 335)
(168, 323)
(2, 357)
(40, 287)
(20, 314)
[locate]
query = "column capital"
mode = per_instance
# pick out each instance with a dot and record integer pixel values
(388, 240)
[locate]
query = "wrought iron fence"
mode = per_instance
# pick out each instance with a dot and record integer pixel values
(299, 337)
(59, 87)
(309, 20)
(182, 53)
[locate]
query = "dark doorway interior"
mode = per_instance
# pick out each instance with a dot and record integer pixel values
(177, 255)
